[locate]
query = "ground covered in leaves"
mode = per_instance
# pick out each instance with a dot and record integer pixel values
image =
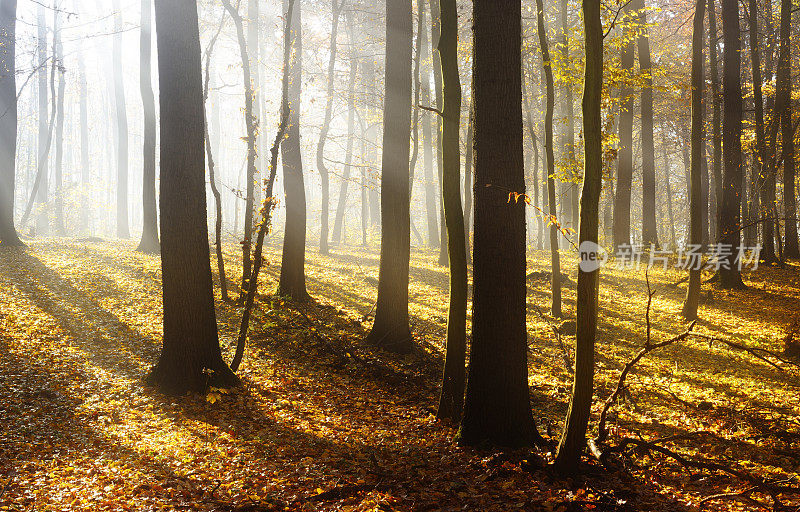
(325, 423)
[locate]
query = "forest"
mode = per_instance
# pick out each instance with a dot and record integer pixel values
(399, 255)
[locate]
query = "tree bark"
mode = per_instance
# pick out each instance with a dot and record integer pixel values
(149, 243)
(292, 281)
(190, 358)
(391, 328)
(784, 110)
(497, 408)
(573, 439)
(730, 211)
(451, 399)
(716, 121)
(436, 30)
(434, 237)
(698, 119)
(8, 122)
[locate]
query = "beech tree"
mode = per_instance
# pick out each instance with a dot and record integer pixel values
(573, 439)
(149, 242)
(190, 359)
(391, 330)
(8, 122)
(497, 407)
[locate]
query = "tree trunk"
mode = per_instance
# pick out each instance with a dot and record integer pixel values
(251, 124)
(8, 122)
(42, 222)
(149, 243)
(497, 409)
(58, 171)
(469, 182)
(730, 211)
(573, 439)
(569, 134)
(338, 225)
(391, 328)
(431, 211)
(436, 30)
(122, 127)
(784, 110)
(84, 227)
(293, 274)
(324, 175)
(555, 263)
(698, 118)
(451, 399)
(716, 121)
(622, 196)
(649, 233)
(535, 177)
(190, 357)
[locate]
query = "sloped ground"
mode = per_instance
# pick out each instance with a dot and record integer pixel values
(324, 423)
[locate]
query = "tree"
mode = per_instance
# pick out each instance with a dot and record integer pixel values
(497, 407)
(338, 224)
(784, 110)
(149, 242)
(622, 197)
(293, 271)
(434, 236)
(436, 34)
(45, 132)
(190, 357)
(555, 263)
(336, 8)
(730, 210)
(122, 127)
(716, 121)
(58, 170)
(649, 232)
(452, 395)
(390, 330)
(573, 439)
(8, 121)
(698, 118)
(251, 124)
(83, 226)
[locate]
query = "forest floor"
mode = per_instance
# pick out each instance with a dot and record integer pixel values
(325, 423)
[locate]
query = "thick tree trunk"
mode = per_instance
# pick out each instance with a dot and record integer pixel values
(555, 261)
(149, 243)
(730, 211)
(122, 127)
(324, 175)
(497, 409)
(8, 122)
(695, 193)
(190, 357)
(649, 232)
(573, 439)
(451, 399)
(391, 328)
(293, 261)
(784, 109)
(622, 195)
